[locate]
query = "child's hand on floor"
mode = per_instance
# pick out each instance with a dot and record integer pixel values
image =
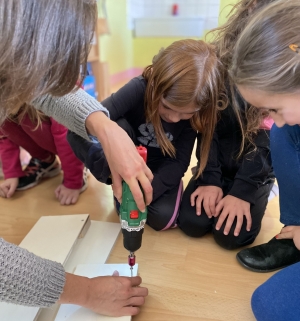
(290, 232)
(209, 196)
(232, 207)
(8, 187)
(67, 196)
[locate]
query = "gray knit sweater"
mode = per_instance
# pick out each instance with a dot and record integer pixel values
(71, 110)
(24, 277)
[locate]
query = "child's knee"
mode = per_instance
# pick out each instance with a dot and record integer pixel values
(161, 218)
(232, 242)
(191, 228)
(192, 224)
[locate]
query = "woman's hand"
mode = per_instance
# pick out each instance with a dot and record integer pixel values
(209, 196)
(232, 207)
(290, 232)
(123, 159)
(8, 187)
(107, 295)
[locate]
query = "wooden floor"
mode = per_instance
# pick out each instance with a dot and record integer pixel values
(188, 279)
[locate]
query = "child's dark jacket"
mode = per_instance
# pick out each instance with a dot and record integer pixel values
(252, 170)
(128, 103)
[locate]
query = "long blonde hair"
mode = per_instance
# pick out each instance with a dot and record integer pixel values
(188, 71)
(36, 117)
(42, 45)
(263, 58)
(225, 36)
(224, 39)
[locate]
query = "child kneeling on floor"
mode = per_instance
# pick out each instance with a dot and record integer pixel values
(162, 110)
(43, 138)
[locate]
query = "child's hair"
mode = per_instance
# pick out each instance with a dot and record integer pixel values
(225, 36)
(188, 71)
(36, 116)
(224, 39)
(42, 45)
(266, 56)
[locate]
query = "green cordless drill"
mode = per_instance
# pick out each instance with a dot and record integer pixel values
(132, 219)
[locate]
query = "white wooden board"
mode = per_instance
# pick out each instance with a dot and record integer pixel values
(94, 248)
(70, 312)
(54, 237)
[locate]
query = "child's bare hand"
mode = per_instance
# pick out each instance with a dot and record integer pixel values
(66, 196)
(8, 187)
(291, 232)
(209, 196)
(232, 207)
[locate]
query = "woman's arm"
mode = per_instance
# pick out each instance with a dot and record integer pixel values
(84, 115)
(27, 279)
(71, 110)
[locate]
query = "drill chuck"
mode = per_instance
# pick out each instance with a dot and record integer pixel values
(132, 240)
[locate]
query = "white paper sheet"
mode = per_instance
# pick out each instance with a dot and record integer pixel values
(70, 312)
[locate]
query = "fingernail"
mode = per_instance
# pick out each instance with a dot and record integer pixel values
(276, 237)
(225, 233)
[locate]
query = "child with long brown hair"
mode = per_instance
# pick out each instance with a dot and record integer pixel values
(230, 197)
(176, 96)
(266, 71)
(43, 138)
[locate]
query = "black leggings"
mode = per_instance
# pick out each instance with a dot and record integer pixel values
(197, 226)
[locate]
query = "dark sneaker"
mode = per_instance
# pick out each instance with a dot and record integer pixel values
(271, 256)
(35, 171)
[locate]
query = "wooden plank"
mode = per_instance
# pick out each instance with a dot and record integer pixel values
(94, 248)
(53, 238)
(102, 26)
(70, 312)
(101, 73)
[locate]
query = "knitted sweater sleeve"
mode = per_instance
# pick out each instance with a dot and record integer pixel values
(70, 110)
(27, 279)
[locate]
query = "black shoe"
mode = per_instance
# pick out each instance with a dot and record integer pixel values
(271, 256)
(35, 171)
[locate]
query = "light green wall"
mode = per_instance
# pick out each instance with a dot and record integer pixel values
(225, 7)
(122, 51)
(116, 48)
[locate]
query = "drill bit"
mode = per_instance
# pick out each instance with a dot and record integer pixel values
(131, 262)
